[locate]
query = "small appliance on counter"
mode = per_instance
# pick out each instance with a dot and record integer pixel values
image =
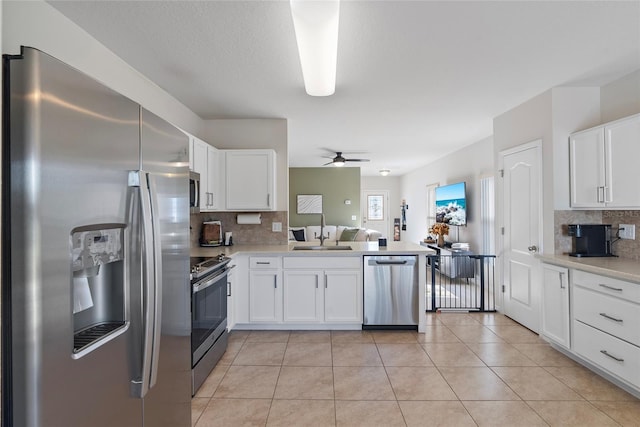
(228, 238)
(590, 240)
(211, 234)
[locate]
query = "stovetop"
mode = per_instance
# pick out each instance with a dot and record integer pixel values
(202, 266)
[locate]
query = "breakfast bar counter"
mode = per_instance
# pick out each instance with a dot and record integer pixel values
(317, 287)
(357, 248)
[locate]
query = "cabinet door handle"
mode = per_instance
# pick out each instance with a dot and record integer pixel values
(263, 262)
(605, 190)
(316, 282)
(617, 359)
(268, 200)
(326, 285)
(228, 289)
(561, 276)
(611, 318)
(611, 287)
(602, 194)
(275, 282)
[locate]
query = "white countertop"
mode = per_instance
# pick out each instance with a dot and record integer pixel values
(357, 248)
(619, 268)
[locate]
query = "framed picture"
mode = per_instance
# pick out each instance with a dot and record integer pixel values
(309, 204)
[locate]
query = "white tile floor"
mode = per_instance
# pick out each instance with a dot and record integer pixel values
(466, 369)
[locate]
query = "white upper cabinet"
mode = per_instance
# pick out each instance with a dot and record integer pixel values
(205, 159)
(250, 179)
(622, 150)
(603, 163)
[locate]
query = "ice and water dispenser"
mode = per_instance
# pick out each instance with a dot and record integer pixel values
(99, 289)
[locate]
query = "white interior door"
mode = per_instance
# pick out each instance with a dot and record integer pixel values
(375, 211)
(522, 203)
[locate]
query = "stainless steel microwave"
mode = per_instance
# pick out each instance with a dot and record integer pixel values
(194, 192)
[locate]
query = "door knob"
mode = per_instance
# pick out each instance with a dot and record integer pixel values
(533, 248)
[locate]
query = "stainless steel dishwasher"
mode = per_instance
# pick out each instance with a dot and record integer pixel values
(390, 292)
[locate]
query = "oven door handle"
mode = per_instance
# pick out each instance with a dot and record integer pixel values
(204, 285)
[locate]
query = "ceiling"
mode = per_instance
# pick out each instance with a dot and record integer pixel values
(416, 80)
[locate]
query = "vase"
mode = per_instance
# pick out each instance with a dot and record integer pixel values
(441, 240)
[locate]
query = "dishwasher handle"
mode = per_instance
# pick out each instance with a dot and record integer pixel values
(391, 262)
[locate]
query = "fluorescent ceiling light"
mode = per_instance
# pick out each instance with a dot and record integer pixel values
(384, 172)
(316, 27)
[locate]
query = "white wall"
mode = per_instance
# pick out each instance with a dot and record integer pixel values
(525, 123)
(255, 133)
(621, 98)
(39, 25)
(468, 164)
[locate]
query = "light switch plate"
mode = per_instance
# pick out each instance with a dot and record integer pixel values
(627, 231)
(353, 217)
(276, 226)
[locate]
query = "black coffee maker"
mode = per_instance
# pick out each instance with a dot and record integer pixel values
(590, 240)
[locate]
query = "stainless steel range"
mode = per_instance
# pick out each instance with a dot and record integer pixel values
(208, 315)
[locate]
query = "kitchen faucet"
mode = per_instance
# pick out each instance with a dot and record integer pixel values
(323, 224)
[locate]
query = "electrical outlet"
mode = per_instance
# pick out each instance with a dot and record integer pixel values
(276, 226)
(627, 231)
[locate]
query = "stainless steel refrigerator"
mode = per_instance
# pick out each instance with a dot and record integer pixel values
(95, 268)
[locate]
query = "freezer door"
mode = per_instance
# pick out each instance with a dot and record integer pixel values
(71, 144)
(165, 159)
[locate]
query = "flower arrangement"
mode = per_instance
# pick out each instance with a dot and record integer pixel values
(440, 228)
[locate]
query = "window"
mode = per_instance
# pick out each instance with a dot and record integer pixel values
(375, 207)
(431, 204)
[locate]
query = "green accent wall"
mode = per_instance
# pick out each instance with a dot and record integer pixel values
(335, 185)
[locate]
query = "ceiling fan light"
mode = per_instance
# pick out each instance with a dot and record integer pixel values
(384, 172)
(316, 28)
(338, 163)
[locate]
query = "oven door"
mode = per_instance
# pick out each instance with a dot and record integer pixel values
(208, 312)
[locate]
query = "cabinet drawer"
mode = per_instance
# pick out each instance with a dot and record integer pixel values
(612, 315)
(610, 353)
(607, 285)
(265, 262)
(323, 262)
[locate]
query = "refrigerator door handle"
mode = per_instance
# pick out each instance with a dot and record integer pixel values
(152, 272)
(157, 254)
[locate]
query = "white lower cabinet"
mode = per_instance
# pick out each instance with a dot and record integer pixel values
(343, 296)
(303, 290)
(303, 296)
(605, 324)
(608, 352)
(322, 296)
(265, 296)
(556, 319)
(322, 289)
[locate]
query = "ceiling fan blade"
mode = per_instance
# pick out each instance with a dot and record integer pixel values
(357, 160)
(330, 163)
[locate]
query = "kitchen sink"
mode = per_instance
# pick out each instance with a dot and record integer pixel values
(322, 248)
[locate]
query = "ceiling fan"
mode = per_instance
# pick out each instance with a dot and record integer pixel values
(339, 160)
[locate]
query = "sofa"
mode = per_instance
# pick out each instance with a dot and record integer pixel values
(311, 233)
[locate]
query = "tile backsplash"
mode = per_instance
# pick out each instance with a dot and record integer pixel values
(623, 248)
(244, 234)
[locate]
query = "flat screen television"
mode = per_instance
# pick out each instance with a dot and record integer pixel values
(451, 204)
